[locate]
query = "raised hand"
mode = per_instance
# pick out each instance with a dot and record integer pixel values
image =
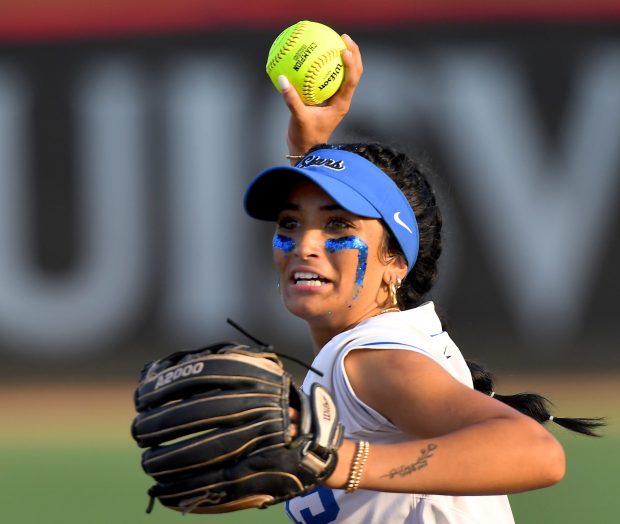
(311, 125)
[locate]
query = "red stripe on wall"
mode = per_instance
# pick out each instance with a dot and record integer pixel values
(32, 20)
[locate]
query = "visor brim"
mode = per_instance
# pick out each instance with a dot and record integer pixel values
(268, 193)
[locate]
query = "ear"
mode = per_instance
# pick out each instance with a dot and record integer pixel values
(395, 271)
(399, 268)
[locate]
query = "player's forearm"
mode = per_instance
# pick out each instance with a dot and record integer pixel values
(500, 457)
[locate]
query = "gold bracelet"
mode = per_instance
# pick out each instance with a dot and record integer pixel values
(357, 465)
(294, 157)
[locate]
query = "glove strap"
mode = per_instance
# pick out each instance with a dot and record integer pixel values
(326, 428)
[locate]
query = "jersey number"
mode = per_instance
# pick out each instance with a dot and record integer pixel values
(316, 507)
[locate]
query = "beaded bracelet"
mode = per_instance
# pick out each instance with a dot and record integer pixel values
(357, 465)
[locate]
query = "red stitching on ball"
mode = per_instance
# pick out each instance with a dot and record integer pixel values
(287, 45)
(313, 71)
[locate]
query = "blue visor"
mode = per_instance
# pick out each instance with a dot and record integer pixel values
(353, 182)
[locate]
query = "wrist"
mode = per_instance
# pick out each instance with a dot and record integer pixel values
(358, 463)
(295, 154)
(339, 478)
(297, 147)
(297, 151)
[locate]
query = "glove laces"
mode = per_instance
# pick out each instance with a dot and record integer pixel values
(269, 347)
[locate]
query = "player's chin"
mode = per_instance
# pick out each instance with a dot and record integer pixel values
(305, 305)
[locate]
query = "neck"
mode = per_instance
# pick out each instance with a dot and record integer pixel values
(322, 330)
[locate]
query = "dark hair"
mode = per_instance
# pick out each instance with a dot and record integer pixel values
(531, 404)
(412, 178)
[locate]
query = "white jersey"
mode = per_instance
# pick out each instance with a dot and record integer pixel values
(416, 330)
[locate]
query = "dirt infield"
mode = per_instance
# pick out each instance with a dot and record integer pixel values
(102, 412)
(67, 413)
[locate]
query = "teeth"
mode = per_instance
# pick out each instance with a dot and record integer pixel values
(314, 283)
(307, 279)
(305, 276)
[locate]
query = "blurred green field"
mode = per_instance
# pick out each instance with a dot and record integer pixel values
(77, 464)
(103, 484)
(90, 484)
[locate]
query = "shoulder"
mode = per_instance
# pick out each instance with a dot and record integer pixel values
(418, 330)
(415, 392)
(415, 368)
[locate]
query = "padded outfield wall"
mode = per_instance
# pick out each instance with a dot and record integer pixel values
(128, 131)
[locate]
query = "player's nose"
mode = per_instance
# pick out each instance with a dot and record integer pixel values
(309, 243)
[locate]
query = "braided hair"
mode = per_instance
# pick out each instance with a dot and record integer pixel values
(413, 179)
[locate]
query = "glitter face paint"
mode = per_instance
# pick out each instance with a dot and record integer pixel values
(337, 244)
(283, 243)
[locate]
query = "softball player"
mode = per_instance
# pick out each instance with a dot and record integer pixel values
(356, 246)
(351, 254)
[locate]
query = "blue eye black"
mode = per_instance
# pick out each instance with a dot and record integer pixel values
(283, 243)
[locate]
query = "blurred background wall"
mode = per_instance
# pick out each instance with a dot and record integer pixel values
(128, 131)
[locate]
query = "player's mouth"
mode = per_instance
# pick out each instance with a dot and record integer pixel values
(308, 279)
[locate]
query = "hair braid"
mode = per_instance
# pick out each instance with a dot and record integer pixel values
(532, 404)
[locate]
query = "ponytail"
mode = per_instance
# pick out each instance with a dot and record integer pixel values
(531, 404)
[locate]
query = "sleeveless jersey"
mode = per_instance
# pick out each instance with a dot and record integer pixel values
(416, 330)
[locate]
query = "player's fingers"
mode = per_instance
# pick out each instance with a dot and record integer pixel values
(353, 59)
(290, 95)
(354, 68)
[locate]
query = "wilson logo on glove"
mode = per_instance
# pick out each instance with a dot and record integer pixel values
(185, 371)
(327, 410)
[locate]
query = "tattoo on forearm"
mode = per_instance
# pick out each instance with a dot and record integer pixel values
(421, 462)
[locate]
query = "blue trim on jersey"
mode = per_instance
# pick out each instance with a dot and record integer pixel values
(388, 342)
(418, 349)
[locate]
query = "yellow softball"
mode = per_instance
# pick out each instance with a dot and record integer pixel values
(309, 55)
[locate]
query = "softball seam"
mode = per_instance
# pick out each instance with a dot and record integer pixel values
(313, 72)
(287, 45)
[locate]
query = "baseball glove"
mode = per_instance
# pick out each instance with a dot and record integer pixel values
(215, 422)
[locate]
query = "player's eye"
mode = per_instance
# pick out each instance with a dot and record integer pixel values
(339, 224)
(287, 223)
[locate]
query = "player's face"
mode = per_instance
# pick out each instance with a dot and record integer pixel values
(329, 261)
